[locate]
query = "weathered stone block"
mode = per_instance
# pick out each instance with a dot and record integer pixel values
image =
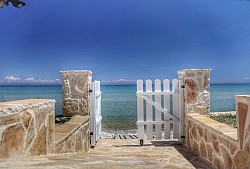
(200, 131)
(70, 144)
(218, 164)
(203, 149)
(227, 158)
(39, 147)
(242, 114)
(233, 148)
(195, 147)
(76, 87)
(241, 159)
(79, 142)
(76, 138)
(215, 144)
(26, 119)
(192, 91)
(224, 142)
(9, 119)
(197, 90)
(12, 140)
(50, 133)
(209, 152)
(194, 133)
(29, 134)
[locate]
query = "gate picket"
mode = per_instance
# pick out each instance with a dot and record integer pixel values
(149, 113)
(166, 88)
(175, 89)
(140, 112)
(158, 128)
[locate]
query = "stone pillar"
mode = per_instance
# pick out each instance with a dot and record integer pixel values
(243, 117)
(76, 87)
(196, 91)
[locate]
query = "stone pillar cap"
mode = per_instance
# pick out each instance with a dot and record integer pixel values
(194, 70)
(80, 71)
(243, 96)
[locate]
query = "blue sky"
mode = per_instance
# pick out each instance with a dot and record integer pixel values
(121, 41)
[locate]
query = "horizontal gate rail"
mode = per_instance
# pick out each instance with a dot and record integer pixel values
(157, 106)
(157, 122)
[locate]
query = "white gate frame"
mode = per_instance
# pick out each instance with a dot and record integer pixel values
(95, 112)
(176, 117)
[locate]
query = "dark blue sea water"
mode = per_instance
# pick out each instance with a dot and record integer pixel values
(119, 102)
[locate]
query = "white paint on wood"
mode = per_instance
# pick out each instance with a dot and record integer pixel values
(166, 88)
(157, 122)
(140, 110)
(95, 112)
(149, 112)
(175, 84)
(158, 127)
(156, 103)
(181, 110)
(158, 107)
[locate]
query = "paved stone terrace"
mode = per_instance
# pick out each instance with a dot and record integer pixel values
(116, 154)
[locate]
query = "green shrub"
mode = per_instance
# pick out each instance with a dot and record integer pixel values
(229, 119)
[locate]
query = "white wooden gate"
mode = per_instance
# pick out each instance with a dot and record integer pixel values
(159, 112)
(95, 112)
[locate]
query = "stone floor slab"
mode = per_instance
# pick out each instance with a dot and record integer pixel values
(117, 154)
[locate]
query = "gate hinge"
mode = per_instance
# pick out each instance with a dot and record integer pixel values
(183, 137)
(182, 86)
(91, 133)
(90, 90)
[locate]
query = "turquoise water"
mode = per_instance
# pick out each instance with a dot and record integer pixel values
(223, 95)
(11, 93)
(119, 102)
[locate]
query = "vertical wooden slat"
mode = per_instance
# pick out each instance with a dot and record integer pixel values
(98, 109)
(158, 128)
(175, 88)
(166, 88)
(149, 113)
(92, 114)
(181, 110)
(140, 115)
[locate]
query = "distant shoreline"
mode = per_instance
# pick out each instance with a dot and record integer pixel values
(28, 85)
(41, 85)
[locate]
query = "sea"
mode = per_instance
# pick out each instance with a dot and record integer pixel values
(119, 102)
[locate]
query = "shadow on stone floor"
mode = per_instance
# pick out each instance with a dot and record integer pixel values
(194, 159)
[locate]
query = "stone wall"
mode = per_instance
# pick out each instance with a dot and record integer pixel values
(73, 136)
(197, 90)
(27, 127)
(212, 140)
(76, 86)
(220, 145)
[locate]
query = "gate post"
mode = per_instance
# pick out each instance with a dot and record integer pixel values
(196, 92)
(76, 89)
